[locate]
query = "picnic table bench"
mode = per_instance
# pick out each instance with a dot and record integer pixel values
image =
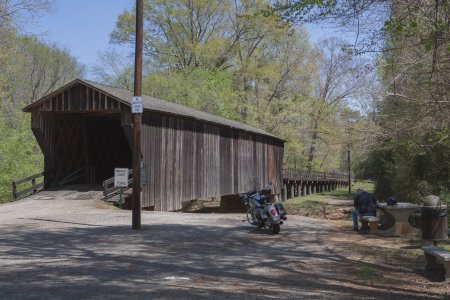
(371, 222)
(438, 260)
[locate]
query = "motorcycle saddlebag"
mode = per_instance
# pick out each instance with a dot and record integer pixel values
(280, 209)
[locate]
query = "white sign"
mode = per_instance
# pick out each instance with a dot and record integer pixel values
(121, 177)
(136, 105)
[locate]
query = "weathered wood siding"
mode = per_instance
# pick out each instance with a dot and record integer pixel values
(189, 159)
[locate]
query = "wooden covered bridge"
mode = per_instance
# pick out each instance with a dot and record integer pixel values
(84, 130)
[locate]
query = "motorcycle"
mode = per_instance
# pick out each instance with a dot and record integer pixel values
(261, 212)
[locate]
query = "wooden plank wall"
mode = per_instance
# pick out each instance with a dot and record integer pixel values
(189, 159)
(81, 98)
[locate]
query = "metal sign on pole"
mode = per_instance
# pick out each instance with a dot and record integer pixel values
(137, 110)
(136, 105)
(121, 177)
(121, 181)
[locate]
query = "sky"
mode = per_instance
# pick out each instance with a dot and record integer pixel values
(83, 28)
(80, 26)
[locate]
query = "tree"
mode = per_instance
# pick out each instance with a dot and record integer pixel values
(45, 67)
(29, 69)
(414, 115)
(13, 13)
(242, 60)
(341, 78)
(199, 33)
(115, 70)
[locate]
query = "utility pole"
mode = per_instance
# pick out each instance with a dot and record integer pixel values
(349, 169)
(137, 110)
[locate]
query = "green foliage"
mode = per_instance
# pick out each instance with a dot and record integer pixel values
(29, 69)
(413, 158)
(241, 60)
(306, 10)
(20, 155)
(204, 90)
(43, 68)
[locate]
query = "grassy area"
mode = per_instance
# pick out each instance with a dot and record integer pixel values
(365, 272)
(329, 199)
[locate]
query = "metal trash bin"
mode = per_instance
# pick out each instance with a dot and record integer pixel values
(434, 219)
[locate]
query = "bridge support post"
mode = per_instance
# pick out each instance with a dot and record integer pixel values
(303, 188)
(285, 193)
(292, 190)
(313, 188)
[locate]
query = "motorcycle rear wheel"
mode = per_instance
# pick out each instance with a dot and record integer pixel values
(275, 228)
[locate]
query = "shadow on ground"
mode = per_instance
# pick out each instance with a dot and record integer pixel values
(182, 262)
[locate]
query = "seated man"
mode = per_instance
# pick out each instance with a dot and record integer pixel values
(365, 204)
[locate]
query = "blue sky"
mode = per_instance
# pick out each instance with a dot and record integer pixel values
(83, 27)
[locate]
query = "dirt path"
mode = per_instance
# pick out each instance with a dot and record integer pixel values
(69, 249)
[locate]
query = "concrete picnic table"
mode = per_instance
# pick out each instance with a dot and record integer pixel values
(400, 213)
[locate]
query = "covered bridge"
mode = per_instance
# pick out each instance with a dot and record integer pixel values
(84, 130)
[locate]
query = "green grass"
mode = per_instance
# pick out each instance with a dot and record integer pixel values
(319, 200)
(397, 253)
(365, 272)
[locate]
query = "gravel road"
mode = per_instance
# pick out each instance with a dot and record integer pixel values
(69, 249)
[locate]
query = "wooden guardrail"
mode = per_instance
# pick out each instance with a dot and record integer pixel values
(110, 190)
(34, 188)
(293, 174)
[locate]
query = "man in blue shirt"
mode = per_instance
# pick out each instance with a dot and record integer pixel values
(365, 205)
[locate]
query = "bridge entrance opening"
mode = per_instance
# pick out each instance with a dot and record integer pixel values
(86, 149)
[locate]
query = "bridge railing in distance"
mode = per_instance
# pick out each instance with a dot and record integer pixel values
(294, 174)
(33, 189)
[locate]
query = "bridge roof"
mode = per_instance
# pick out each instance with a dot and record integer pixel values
(153, 104)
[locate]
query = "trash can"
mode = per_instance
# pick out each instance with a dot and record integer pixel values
(434, 219)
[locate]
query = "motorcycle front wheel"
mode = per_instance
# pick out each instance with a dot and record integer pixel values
(275, 228)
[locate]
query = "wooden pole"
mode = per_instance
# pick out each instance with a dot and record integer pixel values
(349, 170)
(137, 118)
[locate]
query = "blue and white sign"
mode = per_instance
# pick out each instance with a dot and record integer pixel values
(136, 105)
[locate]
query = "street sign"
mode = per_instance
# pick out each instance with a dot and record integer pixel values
(136, 105)
(120, 177)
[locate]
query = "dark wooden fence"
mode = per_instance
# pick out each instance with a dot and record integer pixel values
(301, 183)
(33, 189)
